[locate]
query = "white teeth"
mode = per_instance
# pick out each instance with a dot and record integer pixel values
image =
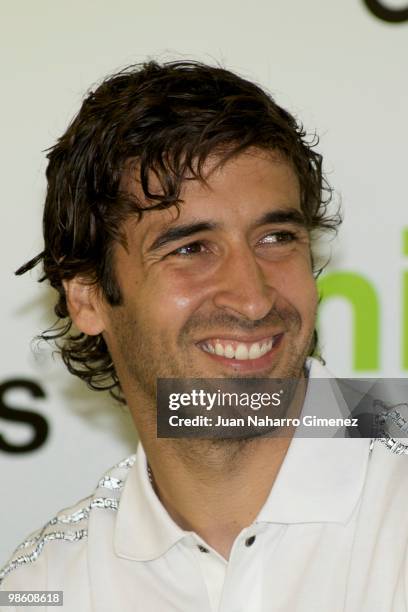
(255, 351)
(219, 350)
(241, 352)
(229, 351)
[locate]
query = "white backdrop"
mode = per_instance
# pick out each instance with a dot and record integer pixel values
(331, 62)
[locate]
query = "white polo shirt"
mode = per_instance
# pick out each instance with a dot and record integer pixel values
(332, 536)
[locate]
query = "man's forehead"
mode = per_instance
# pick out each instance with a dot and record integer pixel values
(215, 164)
(245, 186)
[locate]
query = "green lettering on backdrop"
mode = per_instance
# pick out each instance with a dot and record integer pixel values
(362, 296)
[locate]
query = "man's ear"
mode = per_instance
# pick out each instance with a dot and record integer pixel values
(84, 305)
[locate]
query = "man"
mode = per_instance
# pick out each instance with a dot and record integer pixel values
(178, 221)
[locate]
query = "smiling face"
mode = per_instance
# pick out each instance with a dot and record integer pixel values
(225, 289)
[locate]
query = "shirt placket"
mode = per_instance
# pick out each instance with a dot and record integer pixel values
(242, 589)
(213, 569)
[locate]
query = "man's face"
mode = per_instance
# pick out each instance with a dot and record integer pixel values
(223, 290)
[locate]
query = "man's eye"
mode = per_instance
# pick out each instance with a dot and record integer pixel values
(189, 249)
(282, 238)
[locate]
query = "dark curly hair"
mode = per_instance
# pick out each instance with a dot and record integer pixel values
(168, 118)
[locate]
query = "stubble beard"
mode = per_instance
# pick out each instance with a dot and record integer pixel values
(144, 361)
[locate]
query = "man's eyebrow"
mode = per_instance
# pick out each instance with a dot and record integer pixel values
(284, 215)
(180, 231)
(172, 234)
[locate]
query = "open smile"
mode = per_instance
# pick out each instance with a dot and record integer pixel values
(240, 353)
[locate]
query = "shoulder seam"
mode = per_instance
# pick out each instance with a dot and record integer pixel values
(38, 541)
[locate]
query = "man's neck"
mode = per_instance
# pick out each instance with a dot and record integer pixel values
(215, 489)
(212, 487)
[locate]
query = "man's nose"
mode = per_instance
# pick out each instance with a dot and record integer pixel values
(242, 286)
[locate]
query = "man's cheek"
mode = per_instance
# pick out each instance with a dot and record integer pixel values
(178, 297)
(311, 295)
(312, 301)
(304, 295)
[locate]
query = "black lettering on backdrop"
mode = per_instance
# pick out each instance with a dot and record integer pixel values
(21, 415)
(385, 13)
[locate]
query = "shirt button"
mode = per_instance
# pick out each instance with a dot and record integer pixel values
(203, 549)
(250, 541)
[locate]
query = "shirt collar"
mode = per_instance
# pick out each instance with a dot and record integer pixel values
(320, 480)
(144, 530)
